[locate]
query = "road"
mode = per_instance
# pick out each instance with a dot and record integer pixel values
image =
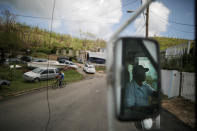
(80, 106)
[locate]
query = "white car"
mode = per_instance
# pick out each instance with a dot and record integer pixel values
(89, 68)
(45, 63)
(70, 64)
(40, 73)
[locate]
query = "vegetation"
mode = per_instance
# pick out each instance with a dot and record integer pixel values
(185, 63)
(16, 37)
(100, 68)
(166, 42)
(18, 83)
(23, 37)
(152, 82)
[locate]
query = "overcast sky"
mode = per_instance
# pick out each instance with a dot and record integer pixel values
(171, 18)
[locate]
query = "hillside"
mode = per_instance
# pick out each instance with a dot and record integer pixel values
(26, 37)
(23, 37)
(166, 42)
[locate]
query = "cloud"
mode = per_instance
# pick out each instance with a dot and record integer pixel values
(158, 20)
(94, 16)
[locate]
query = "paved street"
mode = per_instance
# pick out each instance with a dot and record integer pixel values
(80, 106)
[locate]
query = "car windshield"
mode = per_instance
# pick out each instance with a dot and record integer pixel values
(91, 66)
(37, 70)
(40, 60)
(72, 63)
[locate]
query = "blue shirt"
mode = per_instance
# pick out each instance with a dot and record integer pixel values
(136, 95)
(62, 76)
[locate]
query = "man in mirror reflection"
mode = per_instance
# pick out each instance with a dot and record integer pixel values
(137, 92)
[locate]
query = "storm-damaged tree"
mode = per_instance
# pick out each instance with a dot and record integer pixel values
(10, 41)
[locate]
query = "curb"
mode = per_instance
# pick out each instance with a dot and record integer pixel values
(23, 92)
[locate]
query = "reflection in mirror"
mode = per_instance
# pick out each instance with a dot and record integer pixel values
(139, 81)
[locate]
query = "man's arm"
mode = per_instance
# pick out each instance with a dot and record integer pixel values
(129, 95)
(155, 94)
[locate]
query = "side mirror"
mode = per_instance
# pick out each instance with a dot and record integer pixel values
(136, 78)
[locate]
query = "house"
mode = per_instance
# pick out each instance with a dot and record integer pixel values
(102, 50)
(97, 57)
(65, 52)
(176, 51)
(81, 56)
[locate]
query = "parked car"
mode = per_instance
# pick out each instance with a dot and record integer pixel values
(39, 60)
(40, 73)
(4, 82)
(26, 58)
(88, 68)
(45, 63)
(79, 60)
(70, 64)
(100, 61)
(60, 58)
(13, 60)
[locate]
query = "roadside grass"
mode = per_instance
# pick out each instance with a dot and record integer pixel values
(100, 68)
(18, 84)
(72, 76)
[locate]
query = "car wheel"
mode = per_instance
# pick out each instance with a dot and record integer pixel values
(36, 80)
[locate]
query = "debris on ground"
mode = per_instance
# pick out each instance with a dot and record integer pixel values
(181, 108)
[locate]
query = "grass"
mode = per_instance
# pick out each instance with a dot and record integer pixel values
(39, 55)
(100, 68)
(18, 84)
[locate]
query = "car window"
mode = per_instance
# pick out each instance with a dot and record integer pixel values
(45, 72)
(37, 70)
(51, 71)
(91, 66)
(56, 70)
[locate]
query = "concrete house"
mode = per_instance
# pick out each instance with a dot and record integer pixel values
(65, 52)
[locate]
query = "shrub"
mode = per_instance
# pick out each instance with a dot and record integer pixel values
(184, 63)
(44, 50)
(39, 55)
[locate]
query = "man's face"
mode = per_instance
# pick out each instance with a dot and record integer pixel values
(141, 76)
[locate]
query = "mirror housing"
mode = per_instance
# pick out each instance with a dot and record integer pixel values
(135, 78)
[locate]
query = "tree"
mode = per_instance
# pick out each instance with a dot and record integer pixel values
(10, 40)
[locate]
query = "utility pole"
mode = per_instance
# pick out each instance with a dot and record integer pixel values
(147, 18)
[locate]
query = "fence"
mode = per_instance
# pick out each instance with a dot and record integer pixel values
(188, 86)
(172, 81)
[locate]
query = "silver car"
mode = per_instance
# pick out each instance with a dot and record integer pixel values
(41, 73)
(70, 64)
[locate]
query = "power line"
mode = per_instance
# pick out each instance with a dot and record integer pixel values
(179, 23)
(48, 104)
(34, 17)
(139, 31)
(131, 2)
(181, 30)
(141, 26)
(66, 20)
(165, 21)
